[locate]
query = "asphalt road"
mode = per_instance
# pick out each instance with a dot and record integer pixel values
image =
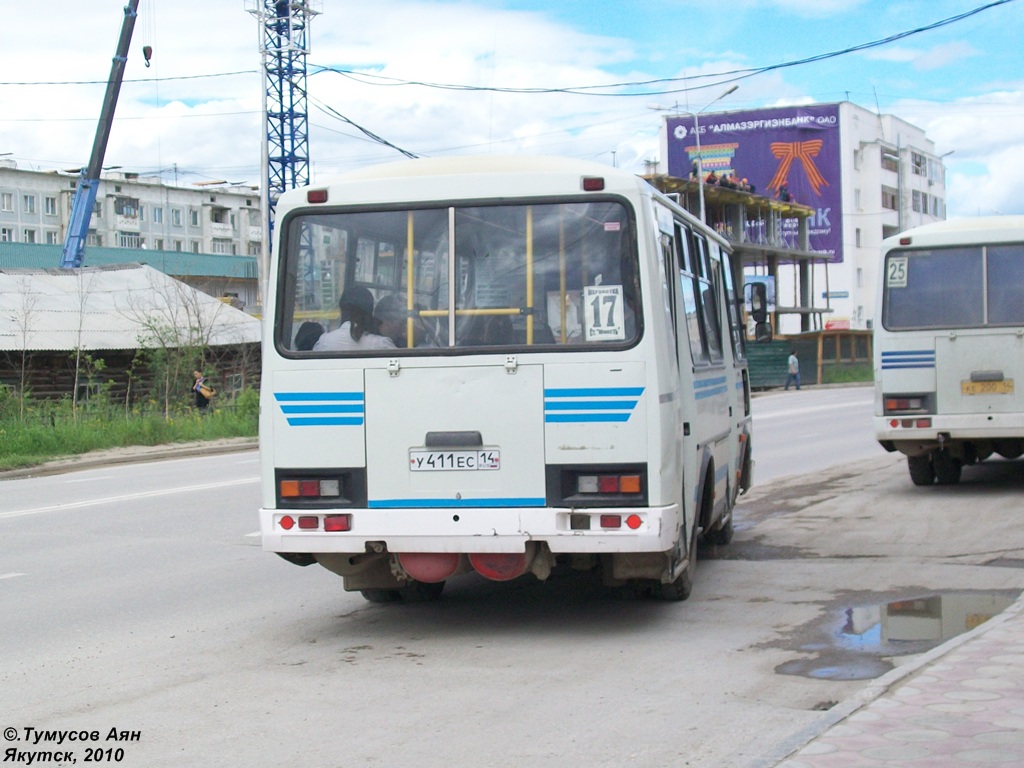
(134, 597)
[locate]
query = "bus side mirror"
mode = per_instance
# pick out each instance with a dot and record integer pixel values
(763, 332)
(759, 302)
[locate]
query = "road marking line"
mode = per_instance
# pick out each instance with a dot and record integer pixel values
(11, 575)
(127, 497)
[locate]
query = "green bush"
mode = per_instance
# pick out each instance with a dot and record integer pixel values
(54, 429)
(847, 373)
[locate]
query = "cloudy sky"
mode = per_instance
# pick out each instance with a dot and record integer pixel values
(569, 77)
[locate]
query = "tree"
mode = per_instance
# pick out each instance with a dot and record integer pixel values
(177, 325)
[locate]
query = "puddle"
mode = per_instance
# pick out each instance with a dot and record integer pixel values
(859, 644)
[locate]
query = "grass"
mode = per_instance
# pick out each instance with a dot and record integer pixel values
(50, 430)
(847, 373)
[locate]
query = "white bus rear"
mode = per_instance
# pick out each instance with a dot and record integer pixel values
(949, 345)
(552, 373)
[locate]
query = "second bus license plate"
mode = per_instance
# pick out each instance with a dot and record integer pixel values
(1004, 387)
(446, 461)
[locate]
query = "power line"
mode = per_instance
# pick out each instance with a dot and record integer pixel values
(135, 80)
(725, 78)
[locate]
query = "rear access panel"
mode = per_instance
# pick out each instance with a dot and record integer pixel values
(460, 437)
(980, 373)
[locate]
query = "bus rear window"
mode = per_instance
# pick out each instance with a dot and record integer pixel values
(548, 275)
(941, 288)
(957, 287)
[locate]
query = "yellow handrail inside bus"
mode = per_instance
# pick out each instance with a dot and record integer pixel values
(561, 269)
(529, 274)
(409, 282)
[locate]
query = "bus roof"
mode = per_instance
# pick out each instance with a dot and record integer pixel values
(961, 231)
(483, 164)
(479, 176)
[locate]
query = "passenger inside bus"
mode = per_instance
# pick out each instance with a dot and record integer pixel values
(307, 335)
(357, 324)
(390, 314)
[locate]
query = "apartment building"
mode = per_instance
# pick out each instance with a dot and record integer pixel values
(132, 211)
(200, 234)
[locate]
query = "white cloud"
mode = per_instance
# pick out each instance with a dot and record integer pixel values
(987, 163)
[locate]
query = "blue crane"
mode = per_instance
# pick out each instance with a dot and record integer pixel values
(89, 179)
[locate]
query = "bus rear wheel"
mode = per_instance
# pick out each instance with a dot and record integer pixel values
(947, 468)
(921, 470)
(680, 589)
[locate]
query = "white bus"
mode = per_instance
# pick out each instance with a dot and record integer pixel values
(949, 345)
(528, 363)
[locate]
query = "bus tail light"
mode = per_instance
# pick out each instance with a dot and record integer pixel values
(331, 523)
(320, 489)
(310, 489)
(903, 404)
(609, 484)
(337, 523)
(910, 423)
(617, 485)
(908, 404)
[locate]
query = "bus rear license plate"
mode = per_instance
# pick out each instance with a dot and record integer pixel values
(1004, 387)
(447, 461)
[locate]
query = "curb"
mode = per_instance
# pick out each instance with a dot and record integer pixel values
(132, 455)
(878, 688)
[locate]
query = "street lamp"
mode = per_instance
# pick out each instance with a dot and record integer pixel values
(700, 163)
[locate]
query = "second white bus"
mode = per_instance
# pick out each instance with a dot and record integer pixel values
(949, 345)
(526, 363)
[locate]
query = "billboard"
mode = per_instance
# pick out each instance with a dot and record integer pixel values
(794, 148)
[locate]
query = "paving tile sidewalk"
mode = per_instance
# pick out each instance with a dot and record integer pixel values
(961, 704)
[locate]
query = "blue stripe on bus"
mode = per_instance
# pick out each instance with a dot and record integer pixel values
(522, 501)
(703, 388)
(908, 358)
(585, 417)
(322, 409)
(356, 408)
(595, 392)
(325, 421)
(292, 397)
(592, 405)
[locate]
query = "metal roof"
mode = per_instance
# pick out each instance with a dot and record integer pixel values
(126, 306)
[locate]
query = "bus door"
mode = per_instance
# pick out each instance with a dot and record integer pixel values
(713, 387)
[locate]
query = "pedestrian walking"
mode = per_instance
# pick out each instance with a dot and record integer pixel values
(793, 366)
(203, 392)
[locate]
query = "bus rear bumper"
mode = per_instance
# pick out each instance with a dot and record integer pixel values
(984, 433)
(473, 530)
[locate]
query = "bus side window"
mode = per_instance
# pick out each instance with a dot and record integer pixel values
(699, 290)
(691, 299)
(668, 288)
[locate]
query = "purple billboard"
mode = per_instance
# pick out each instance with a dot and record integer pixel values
(778, 150)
